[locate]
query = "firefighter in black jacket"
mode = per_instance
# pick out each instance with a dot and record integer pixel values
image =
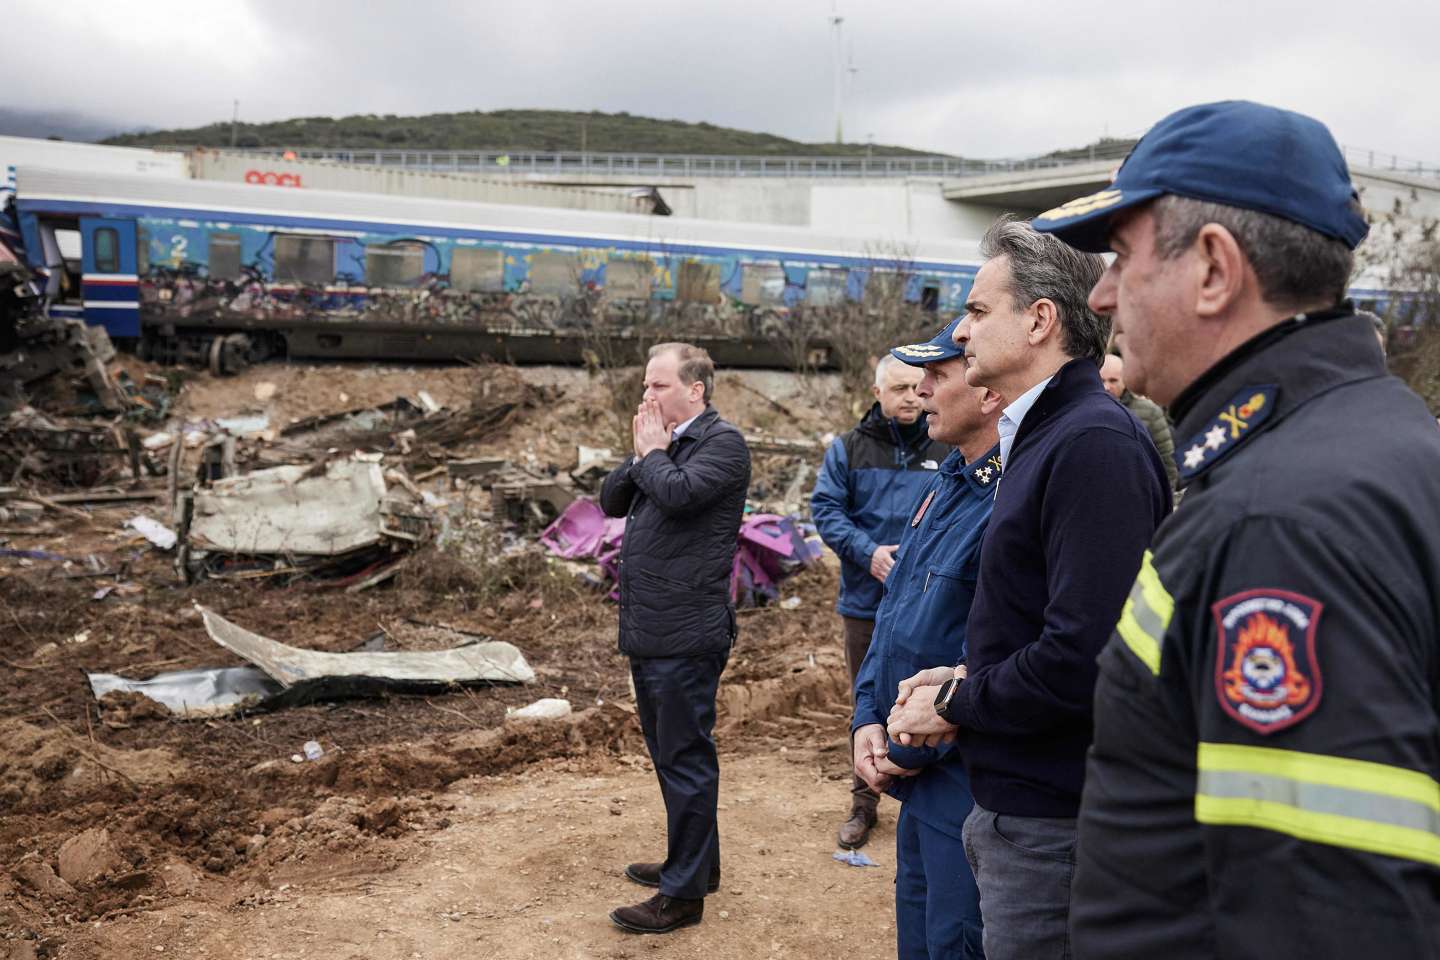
(1263, 779)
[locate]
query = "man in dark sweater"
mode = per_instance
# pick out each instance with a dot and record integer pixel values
(1082, 490)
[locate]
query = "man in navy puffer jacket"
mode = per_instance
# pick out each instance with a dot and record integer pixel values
(868, 486)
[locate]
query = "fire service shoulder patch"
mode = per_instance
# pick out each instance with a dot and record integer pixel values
(1267, 674)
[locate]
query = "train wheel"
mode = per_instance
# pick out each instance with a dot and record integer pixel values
(229, 355)
(236, 353)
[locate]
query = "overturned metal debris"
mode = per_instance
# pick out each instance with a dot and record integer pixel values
(196, 694)
(64, 452)
(282, 676)
(338, 520)
(366, 673)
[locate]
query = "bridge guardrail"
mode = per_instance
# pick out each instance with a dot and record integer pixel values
(511, 162)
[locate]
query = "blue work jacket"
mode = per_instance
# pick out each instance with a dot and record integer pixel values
(872, 478)
(921, 623)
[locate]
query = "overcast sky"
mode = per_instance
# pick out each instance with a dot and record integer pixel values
(991, 79)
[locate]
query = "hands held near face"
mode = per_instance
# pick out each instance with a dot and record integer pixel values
(913, 720)
(651, 431)
(882, 560)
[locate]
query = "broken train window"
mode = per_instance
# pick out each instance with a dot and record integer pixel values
(301, 259)
(628, 279)
(825, 288)
(699, 282)
(554, 273)
(762, 284)
(394, 264)
(477, 269)
(224, 256)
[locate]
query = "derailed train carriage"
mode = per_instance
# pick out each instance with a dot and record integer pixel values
(226, 274)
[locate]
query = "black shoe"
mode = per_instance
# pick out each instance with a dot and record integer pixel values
(659, 914)
(855, 832)
(648, 875)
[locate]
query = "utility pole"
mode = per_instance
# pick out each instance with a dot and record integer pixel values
(234, 121)
(852, 70)
(835, 21)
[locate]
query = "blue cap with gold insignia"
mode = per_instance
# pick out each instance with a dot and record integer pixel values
(1236, 153)
(942, 346)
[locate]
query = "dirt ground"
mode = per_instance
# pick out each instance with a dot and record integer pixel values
(432, 826)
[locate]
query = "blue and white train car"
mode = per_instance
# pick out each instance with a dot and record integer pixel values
(226, 273)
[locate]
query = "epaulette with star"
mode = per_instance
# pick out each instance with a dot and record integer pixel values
(990, 472)
(1233, 425)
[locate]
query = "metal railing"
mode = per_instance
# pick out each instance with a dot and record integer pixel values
(566, 163)
(1379, 160)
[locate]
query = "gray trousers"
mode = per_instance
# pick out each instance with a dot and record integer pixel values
(1023, 867)
(857, 644)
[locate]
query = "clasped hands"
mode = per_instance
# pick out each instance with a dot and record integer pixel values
(651, 431)
(913, 722)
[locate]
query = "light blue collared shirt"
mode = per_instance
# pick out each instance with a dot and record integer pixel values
(675, 434)
(1013, 416)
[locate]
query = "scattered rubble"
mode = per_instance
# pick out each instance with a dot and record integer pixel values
(338, 520)
(474, 468)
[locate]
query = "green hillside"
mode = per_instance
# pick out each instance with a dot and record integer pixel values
(513, 130)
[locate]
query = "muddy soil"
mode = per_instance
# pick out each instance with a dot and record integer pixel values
(431, 826)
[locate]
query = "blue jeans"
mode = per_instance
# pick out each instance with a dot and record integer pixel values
(1023, 866)
(937, 907)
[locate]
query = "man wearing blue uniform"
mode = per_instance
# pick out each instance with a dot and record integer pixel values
(921, 621)
(868, 487)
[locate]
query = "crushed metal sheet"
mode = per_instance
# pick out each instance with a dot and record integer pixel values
(292, 510)
(214, 692)
(362, 673)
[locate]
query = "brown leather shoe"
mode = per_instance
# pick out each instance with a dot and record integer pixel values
(659, 914)
(855, 832)
(648, 875)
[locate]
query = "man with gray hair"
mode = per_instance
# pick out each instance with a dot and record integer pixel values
(1265, 778)
(866, 491)
(1081, 492)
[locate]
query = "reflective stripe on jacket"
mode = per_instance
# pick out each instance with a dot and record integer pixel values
(1265, 775)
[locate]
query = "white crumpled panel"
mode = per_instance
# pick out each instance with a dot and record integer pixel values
(282, 511)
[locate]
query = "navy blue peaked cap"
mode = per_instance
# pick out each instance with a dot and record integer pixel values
(1236, 153)
(942, 346)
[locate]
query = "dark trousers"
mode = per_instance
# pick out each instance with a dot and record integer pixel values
(675, 699)
(937, 904)
(1024, 867)
(857, 643)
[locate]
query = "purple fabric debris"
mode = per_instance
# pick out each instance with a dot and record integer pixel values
(32, 554)
(769, 548)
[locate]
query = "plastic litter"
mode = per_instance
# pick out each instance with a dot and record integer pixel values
(855, 858)
(154, 531)
(313, 750)
(549, 708)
